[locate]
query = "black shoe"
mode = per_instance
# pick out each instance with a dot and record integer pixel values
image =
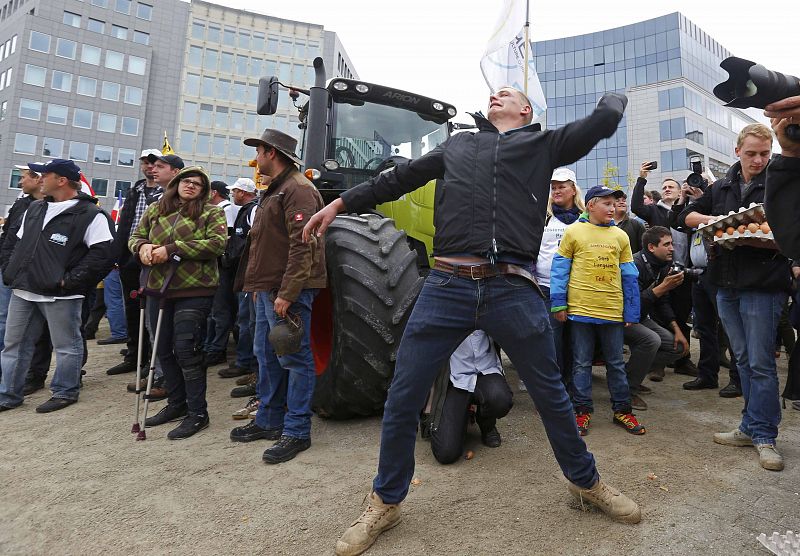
(32, 386)
(492, 438)
(168, 413)
(795, 405)
(189, 427)
(89, 335)
(215, 358)
(54, 404)
(232, 372)
(124, 351)
(109, 341)
(285, 449)
(127, 366)
(251, 432)
(245, 391)
(686, 368)
(731, 391)
(6, 407)
(700, 384)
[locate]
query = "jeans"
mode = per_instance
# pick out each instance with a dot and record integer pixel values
(244, 348)
(610, 337)
(180, 349)
(448, 309)
(5, 299)
(23, 327)
(750, 318)
(652, 347)
(222, 316)
(561, 341)
(706, 323)
(115, 307)
(286, 382)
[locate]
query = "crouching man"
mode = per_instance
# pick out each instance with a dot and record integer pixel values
(62, 247)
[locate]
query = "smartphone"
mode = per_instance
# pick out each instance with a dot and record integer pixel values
(652, 165)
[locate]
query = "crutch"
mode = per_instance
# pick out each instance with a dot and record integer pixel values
(139, 294)
(160, 295)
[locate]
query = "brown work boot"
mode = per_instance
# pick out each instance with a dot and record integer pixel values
(246, 379)
(609, 500)
(377, 518)
(656, 375)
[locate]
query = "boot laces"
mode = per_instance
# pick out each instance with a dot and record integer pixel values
(371, 515)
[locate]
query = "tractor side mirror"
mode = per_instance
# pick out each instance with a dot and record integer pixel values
(267, 96)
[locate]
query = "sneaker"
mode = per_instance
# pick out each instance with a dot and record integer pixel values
(251, 432)
(377, 518)
(250, 378)
(244, 391)
(215, 358)
(769, 458)
(628, 422)
(286, 448)
(642, 389)
(168, 413)
(582, 420)
(700, 384)
(190, 426)
(32, 386)
(245, 412)
(732, 390)
(608, 500)
(54, 404)
(127, 366)
(638, 403)
(686, 368)
(656, 375)
(111, 341)
(733, 438)
(233, 371)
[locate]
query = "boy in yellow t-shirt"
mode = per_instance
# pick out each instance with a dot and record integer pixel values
(593, 283)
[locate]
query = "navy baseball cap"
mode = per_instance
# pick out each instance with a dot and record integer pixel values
(603, 191)
(65, 168)
(173, 160)
(220, 187)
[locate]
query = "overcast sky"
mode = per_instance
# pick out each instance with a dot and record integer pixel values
(433, 47)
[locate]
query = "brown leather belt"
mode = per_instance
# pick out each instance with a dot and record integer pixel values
(482, 271)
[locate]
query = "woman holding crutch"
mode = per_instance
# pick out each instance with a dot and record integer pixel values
(185, 224)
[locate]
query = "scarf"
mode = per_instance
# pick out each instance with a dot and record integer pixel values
(567, 216)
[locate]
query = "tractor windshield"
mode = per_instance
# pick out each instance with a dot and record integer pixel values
(363, 137)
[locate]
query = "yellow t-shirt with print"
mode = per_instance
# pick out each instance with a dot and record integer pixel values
(595, 281)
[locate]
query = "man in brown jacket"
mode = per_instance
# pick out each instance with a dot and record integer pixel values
(284, 275)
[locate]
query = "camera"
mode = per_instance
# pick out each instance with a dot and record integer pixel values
(696, 179)
(689, 273)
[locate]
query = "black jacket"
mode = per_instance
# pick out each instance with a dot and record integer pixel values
(44, 257)
(492, 196)
(742, 267)
(238, 238)
(782, 203)
(635, 230)
(654, 215)
(650, 275)
(12, 223)
(126, 216)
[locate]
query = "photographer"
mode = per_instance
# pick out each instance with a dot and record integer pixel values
(656, 340)
(753, 283)
(782, 201)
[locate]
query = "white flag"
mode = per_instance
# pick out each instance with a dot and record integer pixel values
(503, 62)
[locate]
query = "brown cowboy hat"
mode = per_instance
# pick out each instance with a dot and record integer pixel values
(277, 139)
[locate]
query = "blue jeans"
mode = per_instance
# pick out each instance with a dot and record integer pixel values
(611, 340)
(115, 305)
(23, 328)
(285, 383)
(560, 339)
(448, 309)
(5, 299)
(750, 318)
(244, 349)
(221, 319)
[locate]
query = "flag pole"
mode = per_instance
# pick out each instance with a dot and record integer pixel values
(527, 43)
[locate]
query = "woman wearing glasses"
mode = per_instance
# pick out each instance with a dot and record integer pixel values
(185, 224)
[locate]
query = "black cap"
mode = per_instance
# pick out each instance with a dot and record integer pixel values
(220, 187)
(173, 160)
(65, 168)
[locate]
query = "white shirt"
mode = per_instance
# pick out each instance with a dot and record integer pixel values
(475, 355)
(97, 232)
(551, 238)
(231, 211)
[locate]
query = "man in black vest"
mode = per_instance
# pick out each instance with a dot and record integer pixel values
(62, 247)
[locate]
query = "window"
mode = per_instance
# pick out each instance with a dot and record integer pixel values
(136, 65)
(106, 122)
(30, 109)
(101, 3)
(82, 118)
(90, 55)
(87, 86)
(100, 185)
(221, 117)
(133, 95)
(218, 146)
(186, 140)
(52, 148)
(211, 59)
(121, 188)
(78, 151)
(223, 89)
(208, 87)
(130, 126)
(244, 39)
(198, 30)
(192, 84)
(125, 157)
(144, 11)
(206, 115)
(110, 90)
(122, 6)
(119, 32)
(229, 37)
(96, 26)
(71, 19)
(195, 56)
(102, 155)
(141, 37)
(57, 114)
(61, 81)
(24, 143)
(39, 42)
(16, 175)
(213, 33)
(203, 144)
(66, 48)
(241, 64)
(3, 109)
(189, 115)
(114, 60)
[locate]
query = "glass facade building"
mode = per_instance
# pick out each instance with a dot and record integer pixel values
(667, 67)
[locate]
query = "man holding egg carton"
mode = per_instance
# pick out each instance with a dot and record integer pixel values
(753, 285)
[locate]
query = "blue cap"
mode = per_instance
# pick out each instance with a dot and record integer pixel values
(65, 168)
(603, 191)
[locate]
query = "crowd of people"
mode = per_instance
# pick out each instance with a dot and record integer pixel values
(559, 288)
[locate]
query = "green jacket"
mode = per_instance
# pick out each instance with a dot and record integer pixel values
(198, 243)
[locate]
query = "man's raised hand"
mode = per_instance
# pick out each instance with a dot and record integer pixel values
(318, 223)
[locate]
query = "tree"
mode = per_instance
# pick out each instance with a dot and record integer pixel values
(611, 177)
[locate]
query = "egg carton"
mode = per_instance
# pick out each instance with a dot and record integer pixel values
(781, 545)
(730, 241)
(745, 215)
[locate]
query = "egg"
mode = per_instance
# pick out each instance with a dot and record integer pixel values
(719, 233)
(765, 228)
(753, 227)
(741, 228)
(730, 230)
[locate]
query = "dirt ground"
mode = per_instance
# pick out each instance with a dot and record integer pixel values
(76, 482)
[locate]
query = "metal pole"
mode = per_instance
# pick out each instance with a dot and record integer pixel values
(527, 43)
(317, 109)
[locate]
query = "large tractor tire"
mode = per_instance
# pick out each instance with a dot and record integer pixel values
(358, 321)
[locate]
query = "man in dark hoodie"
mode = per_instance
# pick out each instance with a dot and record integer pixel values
(62, 247)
